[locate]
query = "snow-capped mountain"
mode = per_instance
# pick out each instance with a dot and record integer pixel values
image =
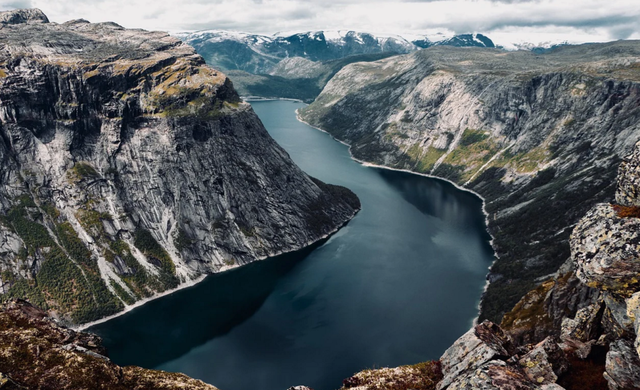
(260, 53)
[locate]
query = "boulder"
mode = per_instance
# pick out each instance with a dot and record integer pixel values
(628, 193)
(622, 366)
(481, 344)
(606, 251)
(545, 362)
(493, 375)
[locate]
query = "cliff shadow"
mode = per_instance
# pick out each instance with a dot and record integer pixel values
(440, 199)
(167, 328)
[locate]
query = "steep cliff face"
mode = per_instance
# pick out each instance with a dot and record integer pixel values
(538, 136)
(128, 167)
(37, 353)
(579, 330)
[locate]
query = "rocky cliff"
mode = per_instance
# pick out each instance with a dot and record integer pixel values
(129, 167)
(37, 353)
(580, 330)
(539, 136)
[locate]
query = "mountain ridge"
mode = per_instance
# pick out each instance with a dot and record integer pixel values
(516, 127)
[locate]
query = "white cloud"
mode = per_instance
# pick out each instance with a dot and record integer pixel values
(540, 20)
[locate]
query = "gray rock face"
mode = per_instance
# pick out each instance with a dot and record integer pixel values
(606, 250)
(627, 192)
(545, 362)
(485, 358)
(538, 136)
(20, 16)
(494, 375)
(127, 163)
(604, 247)
(476, 347)
(623, 366)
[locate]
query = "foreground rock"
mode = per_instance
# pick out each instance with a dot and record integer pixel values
(483, 358)
(623, 366)
(129, 167)
(422, 376)
(37, 353)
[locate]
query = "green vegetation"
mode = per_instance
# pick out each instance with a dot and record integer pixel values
(91, 221)
(59, 283)
(525, 162)
(449, 171)
(181, 240)
(74, 246)
(187, 102)
(139, 279)
(423, 161)
(82, 170)
(25, 289)
(122, 293)
(553, 203)
(51, 211)
(475, 149)
(144, 241)
(471, 136)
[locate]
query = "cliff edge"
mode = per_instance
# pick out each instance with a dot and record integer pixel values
(128, 167)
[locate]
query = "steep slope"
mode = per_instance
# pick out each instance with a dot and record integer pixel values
(295, 77)
(579, 330)
(129, 167)
(539, 136)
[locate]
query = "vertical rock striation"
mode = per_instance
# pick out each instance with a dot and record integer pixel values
(540, 137)
(128, 167)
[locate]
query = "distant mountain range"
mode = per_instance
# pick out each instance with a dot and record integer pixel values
(298, 65)
(259, 54)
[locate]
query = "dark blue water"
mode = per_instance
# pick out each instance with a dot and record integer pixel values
(396, 286)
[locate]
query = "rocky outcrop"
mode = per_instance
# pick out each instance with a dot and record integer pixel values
(421, 376)
(606, 249)
(623, 366)
(38, 353)
(540, 137)
(578, 329)
(478, 346)
(483, 358)
(129, 167)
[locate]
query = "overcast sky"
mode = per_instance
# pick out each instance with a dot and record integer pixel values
(502, 20)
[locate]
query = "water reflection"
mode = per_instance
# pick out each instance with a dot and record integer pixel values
(396, 286)
(167, 328)
(437, 198)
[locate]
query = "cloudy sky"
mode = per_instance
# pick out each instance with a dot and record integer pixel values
(503, 20)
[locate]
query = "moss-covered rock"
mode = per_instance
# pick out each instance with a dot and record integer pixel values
(37, 353)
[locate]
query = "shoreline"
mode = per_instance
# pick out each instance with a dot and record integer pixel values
(127, 309)
(268, 99)
(201, 278)
(484, 211)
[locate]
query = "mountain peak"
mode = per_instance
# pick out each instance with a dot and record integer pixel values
(19, 16)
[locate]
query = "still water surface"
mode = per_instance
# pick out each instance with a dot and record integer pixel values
(396, 286)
